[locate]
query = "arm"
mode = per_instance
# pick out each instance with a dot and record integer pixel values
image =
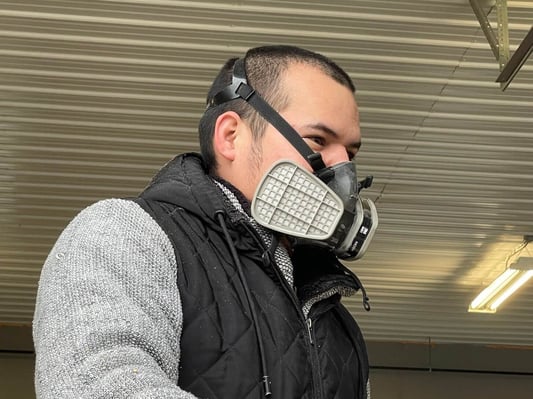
(108, 315)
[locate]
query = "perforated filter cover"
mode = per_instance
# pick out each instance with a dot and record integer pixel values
(291, 200)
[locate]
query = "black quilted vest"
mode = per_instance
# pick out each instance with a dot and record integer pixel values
(319, 356)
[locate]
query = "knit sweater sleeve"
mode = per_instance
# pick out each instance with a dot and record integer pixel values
(108, 316)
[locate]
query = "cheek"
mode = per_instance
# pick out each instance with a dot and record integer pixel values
(255, 159)
(275, 147)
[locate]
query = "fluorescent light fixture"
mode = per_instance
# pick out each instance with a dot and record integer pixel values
(505, 285)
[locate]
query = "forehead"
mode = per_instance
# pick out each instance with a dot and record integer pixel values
(318, 96)
(303, 80)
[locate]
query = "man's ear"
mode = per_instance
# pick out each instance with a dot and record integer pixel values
(226, 129)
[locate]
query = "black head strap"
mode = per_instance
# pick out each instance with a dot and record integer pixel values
(239, 88)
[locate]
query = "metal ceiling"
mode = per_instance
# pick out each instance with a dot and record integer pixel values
(96, 95)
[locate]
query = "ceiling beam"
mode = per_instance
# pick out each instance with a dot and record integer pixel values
(503, 33)
(520, 56)
(486, 27)
(499, 42)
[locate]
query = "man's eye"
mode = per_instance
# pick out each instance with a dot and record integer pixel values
(317, 140)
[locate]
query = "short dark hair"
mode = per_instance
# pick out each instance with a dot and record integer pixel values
(264, 70)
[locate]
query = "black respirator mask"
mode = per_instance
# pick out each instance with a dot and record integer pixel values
(321, 208)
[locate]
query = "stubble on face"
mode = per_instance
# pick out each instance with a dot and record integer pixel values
(255, 158)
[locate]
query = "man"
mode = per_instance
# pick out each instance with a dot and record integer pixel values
(190, 290)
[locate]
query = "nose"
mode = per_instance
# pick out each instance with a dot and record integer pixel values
(334, 155)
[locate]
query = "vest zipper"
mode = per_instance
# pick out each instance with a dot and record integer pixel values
(307, 322)
(317, 378)
(315, 363)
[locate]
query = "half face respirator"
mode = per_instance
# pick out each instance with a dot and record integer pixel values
(321, 208)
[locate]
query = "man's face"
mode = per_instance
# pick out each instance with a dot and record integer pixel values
(321, 110)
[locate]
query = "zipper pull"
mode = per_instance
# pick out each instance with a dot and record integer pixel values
(309, 323)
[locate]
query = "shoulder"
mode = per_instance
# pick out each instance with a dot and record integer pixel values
(110, 235)
(113, 212)
(118, 221)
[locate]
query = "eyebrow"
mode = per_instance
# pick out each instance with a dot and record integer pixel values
(356, 145)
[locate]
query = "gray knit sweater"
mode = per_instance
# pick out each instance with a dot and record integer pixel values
(108, 315)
